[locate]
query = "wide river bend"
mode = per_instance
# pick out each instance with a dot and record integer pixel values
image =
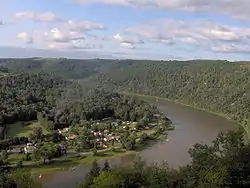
(191, 126)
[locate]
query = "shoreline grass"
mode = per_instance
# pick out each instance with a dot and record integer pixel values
(67, 163)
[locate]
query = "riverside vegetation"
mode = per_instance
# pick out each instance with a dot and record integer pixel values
(40, 102)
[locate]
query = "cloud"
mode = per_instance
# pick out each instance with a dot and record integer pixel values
(127, 45)
(235, 8)
(127, 42)
(73, 45)
(189, 40)
(1, 22)
(232, 48)
(63, 36)
(35, 16)
(24, 36)
(198, 32)
(83, 25)
(72, 30)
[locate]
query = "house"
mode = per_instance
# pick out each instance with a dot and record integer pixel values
(65, 130)
(72, 137)
(29, 148)
(117, 138)
(100, 133)
(62, 148)
(14, 151)
(106, 131)
(152, 125)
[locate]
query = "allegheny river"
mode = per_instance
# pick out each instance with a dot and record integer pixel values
(191, 126)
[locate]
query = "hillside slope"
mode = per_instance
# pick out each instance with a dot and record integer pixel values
(218, 86)
(60, 67)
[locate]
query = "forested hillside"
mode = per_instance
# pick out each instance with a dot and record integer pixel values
(218, 86)
(64, 103)
(22, 95)
(65, 68)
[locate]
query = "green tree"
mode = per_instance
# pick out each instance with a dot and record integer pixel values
(18, 179)
(48, 151)
(93, 173)
(107, 180)
(4, 157)
(106, 166)
(37, 135)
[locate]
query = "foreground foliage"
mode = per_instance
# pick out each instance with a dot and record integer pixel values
(17, 179)
(223, 164)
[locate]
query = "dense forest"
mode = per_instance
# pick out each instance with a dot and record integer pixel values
(218, 86)
(62, 102)
(61, 67)
(22, 95)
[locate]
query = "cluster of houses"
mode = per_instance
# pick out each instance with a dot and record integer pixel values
(102, 138)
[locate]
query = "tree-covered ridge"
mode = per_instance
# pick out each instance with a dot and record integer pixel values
(64, 103)
(218, 86)
(60, 67)
(3, 70)
(99, 104)
(22, 95)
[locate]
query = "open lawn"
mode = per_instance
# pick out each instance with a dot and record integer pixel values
(66, 163)
(21, 129)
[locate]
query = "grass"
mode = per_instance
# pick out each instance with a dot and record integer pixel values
(64, 164)
(23, 129)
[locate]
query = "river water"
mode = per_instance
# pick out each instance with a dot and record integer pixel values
(191, 126)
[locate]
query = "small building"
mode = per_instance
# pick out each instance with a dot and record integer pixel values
(72, 137)
(65, 130)
(106, 131)
(29, 149)
(62, 148)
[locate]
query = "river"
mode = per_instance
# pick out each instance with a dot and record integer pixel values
(191, 126)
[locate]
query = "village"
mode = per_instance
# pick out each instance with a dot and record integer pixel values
(102, 136)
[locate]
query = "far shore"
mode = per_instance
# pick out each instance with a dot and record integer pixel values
(177, 102)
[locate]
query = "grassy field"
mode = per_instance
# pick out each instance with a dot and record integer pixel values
(21, 129)
(67, 163)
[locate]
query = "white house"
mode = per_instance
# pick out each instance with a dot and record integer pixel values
(29, 148)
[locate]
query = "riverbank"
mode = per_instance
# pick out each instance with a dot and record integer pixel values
(247, 135)
(66, 163)
(177, 102)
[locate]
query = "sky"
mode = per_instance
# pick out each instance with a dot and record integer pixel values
(134, 29)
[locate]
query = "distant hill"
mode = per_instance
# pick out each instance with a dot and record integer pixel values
(60, 67)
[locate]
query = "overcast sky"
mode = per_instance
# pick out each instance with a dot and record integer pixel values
(148, 29)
